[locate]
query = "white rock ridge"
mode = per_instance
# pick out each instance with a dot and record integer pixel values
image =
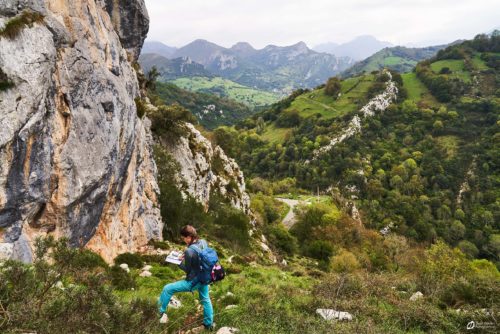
(75, 160)
(378, 103)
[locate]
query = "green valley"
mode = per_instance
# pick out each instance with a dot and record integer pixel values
(426, 166)
(229, 89)
(209, 109)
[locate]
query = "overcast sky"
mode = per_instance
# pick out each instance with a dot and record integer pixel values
(286, 22)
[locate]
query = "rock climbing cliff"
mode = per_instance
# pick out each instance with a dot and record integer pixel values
(75, 160)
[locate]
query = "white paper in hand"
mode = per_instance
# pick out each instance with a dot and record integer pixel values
(174, 257)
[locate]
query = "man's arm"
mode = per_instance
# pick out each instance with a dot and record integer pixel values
(186, 265)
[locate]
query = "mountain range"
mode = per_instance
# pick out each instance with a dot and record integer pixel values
(359, 48)
(273, 68)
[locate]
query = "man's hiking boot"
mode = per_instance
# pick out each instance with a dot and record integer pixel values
(209, 328)
(164, 318)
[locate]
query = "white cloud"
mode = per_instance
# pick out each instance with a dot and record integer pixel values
(285, 22)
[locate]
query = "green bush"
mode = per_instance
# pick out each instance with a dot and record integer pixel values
(345, 262)
(89, 260)
(120, 279)
(231, 227)
(332, 87)
(320, 250)
(169, 121)
(280, 238)
(133, 260)
(54, 295)
(288, 119)
(140, 107)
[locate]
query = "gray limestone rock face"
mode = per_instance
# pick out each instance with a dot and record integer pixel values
(205, 169)
(75, 160)
(131, 22)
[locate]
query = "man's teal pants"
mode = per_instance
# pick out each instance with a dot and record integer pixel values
(185, 286)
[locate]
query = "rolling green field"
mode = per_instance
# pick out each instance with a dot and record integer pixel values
(456, 67)
(227, 88)
(417, 90)
(391, 61)
(316, 102)
(478, 63)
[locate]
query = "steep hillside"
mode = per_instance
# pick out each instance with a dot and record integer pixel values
(399, 58)
(75, 159)
(423, 165)
(209, 109)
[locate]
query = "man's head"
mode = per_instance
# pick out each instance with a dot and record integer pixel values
(188, 234)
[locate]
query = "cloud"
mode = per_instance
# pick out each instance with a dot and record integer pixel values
(285, 22)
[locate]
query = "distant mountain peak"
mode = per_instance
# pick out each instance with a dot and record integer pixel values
(243, 46)
(158, 48)
(300, 44)
(358, 48)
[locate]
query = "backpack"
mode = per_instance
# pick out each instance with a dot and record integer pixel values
(210, 270)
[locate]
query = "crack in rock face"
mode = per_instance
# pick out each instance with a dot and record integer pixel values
(75, 160)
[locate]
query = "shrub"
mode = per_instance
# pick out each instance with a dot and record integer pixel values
(345, 262)
(468, 248)
(320, 250)
(88, 260)
(288, 119)
(169, 121)
(279, 237)
(133, 260)
(14, 26)
(440, 267)
(140, 107)
(231, 227)
(30, 300)
(333, 87)
(445, 70)
(120, 279)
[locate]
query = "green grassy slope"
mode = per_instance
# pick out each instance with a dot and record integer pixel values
(400, 59)
(227, 88)
(417, 91)
(353, 92)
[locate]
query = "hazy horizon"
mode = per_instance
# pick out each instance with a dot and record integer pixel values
(286, 22)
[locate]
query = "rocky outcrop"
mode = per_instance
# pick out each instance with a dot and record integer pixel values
(75, 159)
(205, 169)
(131, 22)
(377, 104)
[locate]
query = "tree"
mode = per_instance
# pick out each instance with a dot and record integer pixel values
(260, 125)
(151, 78)
(333, 87)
